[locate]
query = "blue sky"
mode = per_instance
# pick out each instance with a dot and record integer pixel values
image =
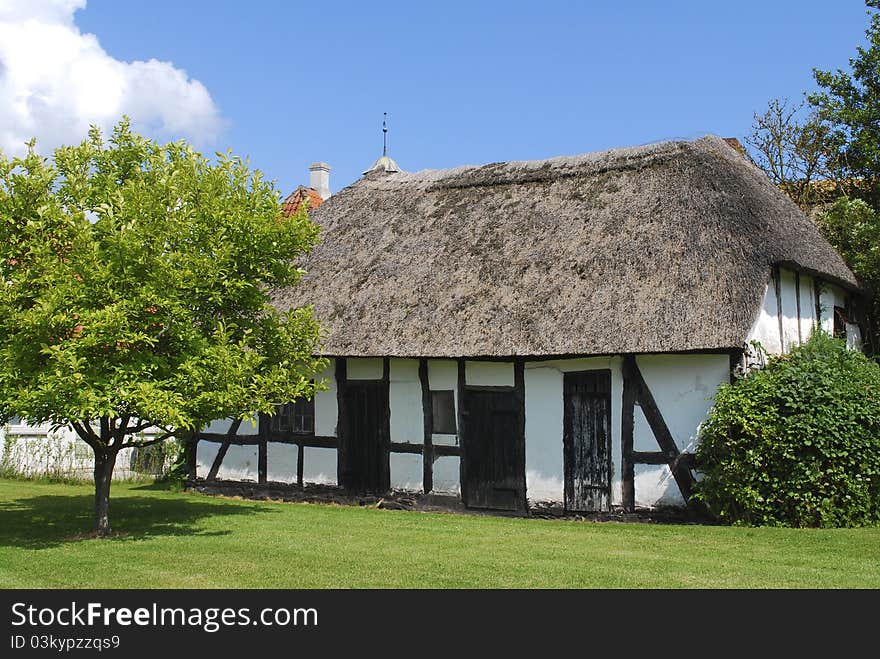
(288, 83)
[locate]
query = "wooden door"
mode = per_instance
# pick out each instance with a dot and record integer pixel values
(493, 450)
(587, 440)
(364, 437)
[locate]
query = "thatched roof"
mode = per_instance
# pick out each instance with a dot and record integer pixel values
(659, 248)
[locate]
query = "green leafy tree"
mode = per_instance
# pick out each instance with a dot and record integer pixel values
(853, 227)
(134, 294)
(796, 443)
(849, 103)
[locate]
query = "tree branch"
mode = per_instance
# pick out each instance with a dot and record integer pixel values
(148, 442)
(88, 435)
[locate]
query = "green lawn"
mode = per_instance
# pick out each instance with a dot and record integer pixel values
(188, 540)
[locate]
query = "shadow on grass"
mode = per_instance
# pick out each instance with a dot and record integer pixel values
(47, 521)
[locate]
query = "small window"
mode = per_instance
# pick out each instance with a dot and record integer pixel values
(840, 322)
(297, 417)
(444, 412)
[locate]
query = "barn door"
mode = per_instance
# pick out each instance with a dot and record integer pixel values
(586, 440)
(364, 437)
(493, 450)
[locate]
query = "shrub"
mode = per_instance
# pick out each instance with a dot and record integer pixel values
(796, 443)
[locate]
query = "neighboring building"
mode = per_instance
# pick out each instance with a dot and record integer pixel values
(41, 451)
(540, 331)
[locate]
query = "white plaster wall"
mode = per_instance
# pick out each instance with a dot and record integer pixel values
(831, 296)
(319, 465)
(765, 329)
(790, 318)
(443, 376)
(544, 416)
(447, 476)
(405, 398)
(488, 374)
(808, 306)
(683, 387)
(406, 471)
(281, 462)
(363, 368)
(247, 427)
(239, 464)
(326, 406)
(766, 326)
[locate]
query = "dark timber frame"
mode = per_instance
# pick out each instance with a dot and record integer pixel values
(635, 390)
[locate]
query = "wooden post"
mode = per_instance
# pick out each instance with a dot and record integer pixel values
(428, 416)
(341, 425)
(386, 423)
(627, 471)
(300, 462)
(462, 461)
(263, 449)
(519, 385)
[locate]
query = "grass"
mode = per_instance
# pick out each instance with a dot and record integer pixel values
(183, 540)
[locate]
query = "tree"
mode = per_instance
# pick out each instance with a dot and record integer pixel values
(853, 227)
(793, 150)
(135, 296)
(850, 104)
(796, 443)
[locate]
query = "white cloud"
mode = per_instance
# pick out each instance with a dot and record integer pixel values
(55, 81)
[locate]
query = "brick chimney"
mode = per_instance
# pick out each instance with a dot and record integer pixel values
(319, 178)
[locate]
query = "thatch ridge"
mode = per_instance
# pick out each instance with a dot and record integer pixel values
(659, 248)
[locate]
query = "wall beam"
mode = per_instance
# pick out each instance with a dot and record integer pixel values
(221, 452)
(428, 428)
(627, 472)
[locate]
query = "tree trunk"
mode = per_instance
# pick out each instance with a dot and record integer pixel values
(104, 463)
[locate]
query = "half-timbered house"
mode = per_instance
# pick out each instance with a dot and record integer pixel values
(540, 331)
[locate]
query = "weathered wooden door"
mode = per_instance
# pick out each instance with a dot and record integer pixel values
(493, 450)
(587, 440)
(364, 437)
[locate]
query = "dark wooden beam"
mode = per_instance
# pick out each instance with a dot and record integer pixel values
(221, 452)
(489, 387)
(428, 428)
(659, 458)
(300, 462)
(627, 472)
(386, 423)
(445, 450)
(263, 449)
(519, 387)
(342, 418)
(680, 471)
(407, 447)
(460, 414)
(274, 436)
(817, 291)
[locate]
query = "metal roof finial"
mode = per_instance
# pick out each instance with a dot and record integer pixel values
(384, 134)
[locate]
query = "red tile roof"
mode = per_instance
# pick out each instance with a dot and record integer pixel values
(295, 199)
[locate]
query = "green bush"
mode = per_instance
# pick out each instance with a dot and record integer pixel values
(796, 443)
